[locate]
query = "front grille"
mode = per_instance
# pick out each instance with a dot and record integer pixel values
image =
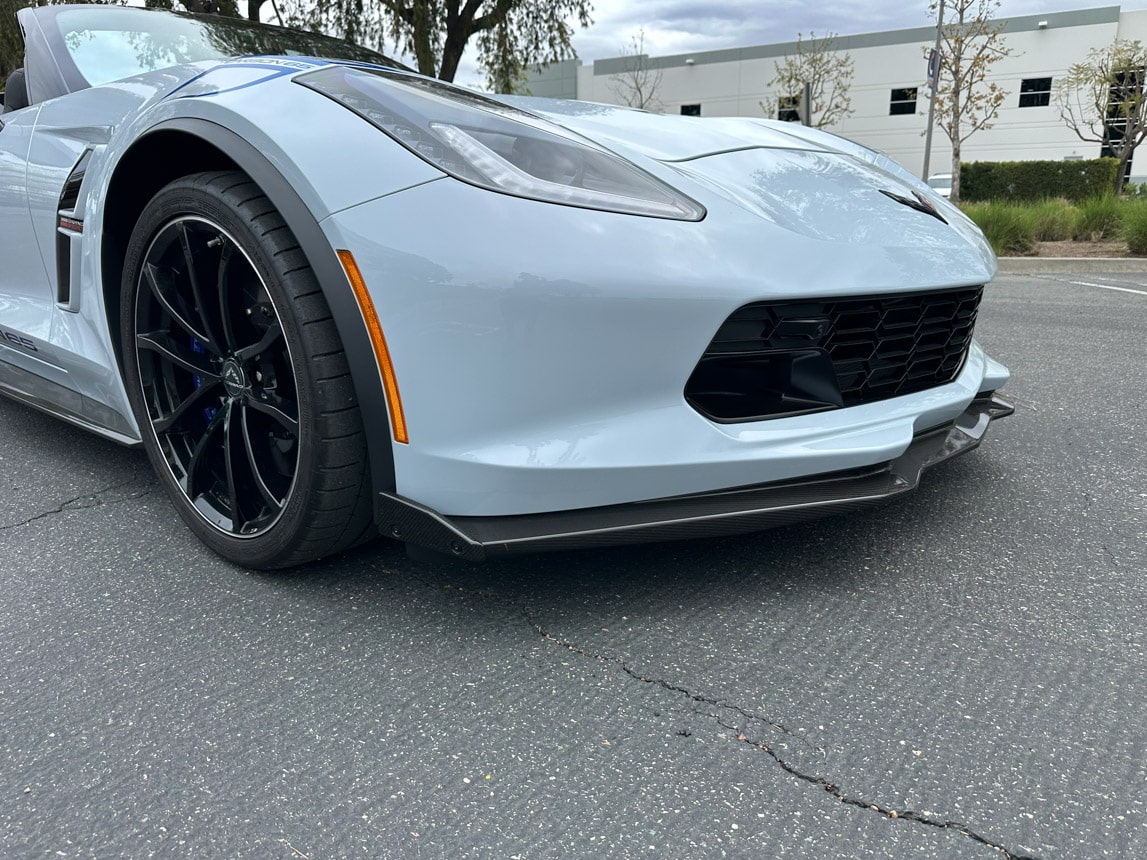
(785, 358)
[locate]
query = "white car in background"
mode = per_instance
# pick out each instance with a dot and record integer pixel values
(941, 183)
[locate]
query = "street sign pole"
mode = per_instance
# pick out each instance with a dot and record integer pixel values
(933, 82)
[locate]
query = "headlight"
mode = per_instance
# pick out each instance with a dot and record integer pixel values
(494, 146)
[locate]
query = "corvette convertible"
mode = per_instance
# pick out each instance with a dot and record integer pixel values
(334, 299)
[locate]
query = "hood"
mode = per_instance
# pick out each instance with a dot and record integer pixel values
(804, 180)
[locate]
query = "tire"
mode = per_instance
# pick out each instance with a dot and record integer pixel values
(237, 377)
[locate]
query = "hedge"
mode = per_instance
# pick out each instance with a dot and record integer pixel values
(1037, 180)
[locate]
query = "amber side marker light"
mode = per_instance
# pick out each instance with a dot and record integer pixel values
(378, 341)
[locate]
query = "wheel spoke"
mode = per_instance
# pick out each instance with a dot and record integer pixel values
(274, 333)
(170, 421)
(283, 411)
(197, 454)
(229, 438)
(151, 275)
(274, 503)
(223, 286)
(193, 281)
(161, 342)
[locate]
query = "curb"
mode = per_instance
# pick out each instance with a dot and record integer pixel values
(1085, 265)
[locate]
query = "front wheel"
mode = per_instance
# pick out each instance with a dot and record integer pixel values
(237, 377)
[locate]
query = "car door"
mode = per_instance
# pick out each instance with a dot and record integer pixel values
(25, 303)
(56, 352)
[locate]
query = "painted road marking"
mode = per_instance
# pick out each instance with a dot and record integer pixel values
(1109, 287)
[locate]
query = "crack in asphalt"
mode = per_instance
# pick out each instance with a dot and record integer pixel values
(895, 814)
(830, 787)
(665, 685)
(79, 503)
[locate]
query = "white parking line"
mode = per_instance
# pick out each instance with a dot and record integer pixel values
(1109, 287)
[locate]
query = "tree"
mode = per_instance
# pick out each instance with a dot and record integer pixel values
(638, 85)
(511, 34)
(828, 74)
(11, 42)
(1102, 100)
(199, 7)
(970, 44)
(505, 71)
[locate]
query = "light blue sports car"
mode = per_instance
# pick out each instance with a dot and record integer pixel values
(333, 298)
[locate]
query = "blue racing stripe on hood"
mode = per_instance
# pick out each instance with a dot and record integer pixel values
(276, 67)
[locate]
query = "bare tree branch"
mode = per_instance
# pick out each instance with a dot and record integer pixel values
(639, 84)
(966, 101)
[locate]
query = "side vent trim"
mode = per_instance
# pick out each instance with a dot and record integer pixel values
(68, 227)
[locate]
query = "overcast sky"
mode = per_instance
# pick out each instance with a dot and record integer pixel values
(682, 26)
(686, 26)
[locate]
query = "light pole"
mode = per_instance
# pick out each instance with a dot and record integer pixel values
(935, 81)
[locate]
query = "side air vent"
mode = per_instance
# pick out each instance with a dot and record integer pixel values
(68, 226)
(772, 359)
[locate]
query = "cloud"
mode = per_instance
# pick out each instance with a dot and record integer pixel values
(686, 26)
(683, 26)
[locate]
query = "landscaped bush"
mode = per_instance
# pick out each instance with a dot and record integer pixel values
(1134, 227)
(1014, 229)
(1098, 218)
(1053, 220)
(1010, 229)
(1016, 181)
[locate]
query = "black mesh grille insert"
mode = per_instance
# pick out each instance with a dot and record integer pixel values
(784, 358)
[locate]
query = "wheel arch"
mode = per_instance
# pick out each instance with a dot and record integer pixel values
(181, 147)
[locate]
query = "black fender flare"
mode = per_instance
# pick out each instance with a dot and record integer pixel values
(332, 279)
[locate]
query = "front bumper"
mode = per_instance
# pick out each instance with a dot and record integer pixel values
(721, 512)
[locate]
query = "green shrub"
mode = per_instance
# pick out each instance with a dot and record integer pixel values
(1053, 220)
(1016, 181)
(1097, 218)
(1011, 230)
(1134, 227)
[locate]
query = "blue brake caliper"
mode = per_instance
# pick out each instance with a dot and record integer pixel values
(209, 412)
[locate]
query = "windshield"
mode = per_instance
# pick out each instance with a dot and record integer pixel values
(106, 47)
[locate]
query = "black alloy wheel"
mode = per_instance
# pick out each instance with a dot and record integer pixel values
(238, 379)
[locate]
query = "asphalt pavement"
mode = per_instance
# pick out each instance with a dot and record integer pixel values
(959, 673)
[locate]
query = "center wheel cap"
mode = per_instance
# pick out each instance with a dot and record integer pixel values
(234, 379)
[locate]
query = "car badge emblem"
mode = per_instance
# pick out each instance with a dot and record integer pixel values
(234, 380)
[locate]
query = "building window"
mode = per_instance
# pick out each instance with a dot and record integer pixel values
(1127, 87)
(903, 101)
(690, 110)
(788, 108)
(1035, 92)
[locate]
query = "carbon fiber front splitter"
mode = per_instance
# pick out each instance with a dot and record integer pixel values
(723, 512)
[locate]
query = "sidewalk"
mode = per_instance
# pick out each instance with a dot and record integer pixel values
(1082, 265)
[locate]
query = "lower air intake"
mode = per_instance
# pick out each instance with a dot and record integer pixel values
(772, 359)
